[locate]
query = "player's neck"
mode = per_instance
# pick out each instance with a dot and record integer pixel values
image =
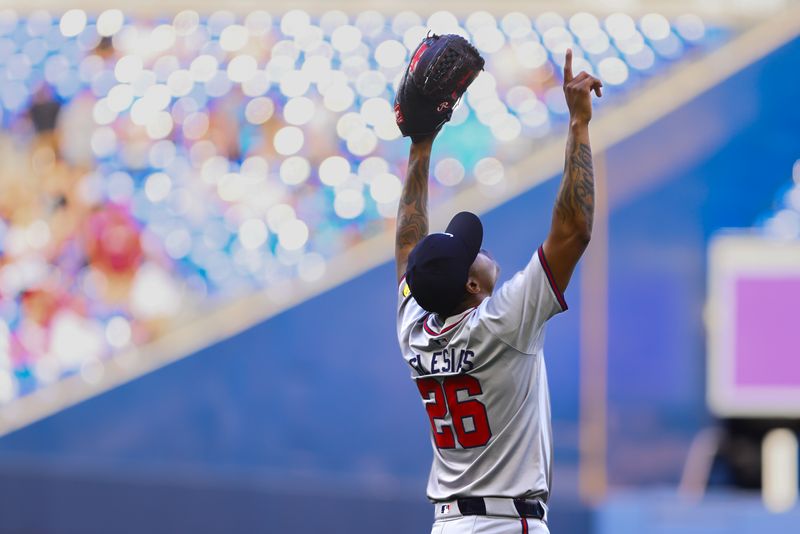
(472, 300)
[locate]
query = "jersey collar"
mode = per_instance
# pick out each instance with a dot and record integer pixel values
(451, 322)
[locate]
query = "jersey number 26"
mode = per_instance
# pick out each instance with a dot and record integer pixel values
(443, 397)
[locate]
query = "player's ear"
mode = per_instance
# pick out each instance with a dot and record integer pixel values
(473, 286)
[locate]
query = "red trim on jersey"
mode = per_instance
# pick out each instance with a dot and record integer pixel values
(430, 330)
(559, 295)
(524, 525)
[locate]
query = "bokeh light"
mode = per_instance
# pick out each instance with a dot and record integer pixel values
(299, 110)
(449, 172)
(288, 140)
(72, 22)
(385, 188)
(295, 170)
(233, 38)
(613, 71)
(489, 171)
(253, 233)
(259, 110)
(242, 68)
(390, 53)
(293, 234)
(334, 170)
(110, 22)
(349, 203)
(655, 26)
(620, 26)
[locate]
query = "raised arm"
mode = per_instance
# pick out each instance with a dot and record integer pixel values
(571, 228)
(412, 212)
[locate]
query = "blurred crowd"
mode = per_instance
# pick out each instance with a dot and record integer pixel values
(154, 167)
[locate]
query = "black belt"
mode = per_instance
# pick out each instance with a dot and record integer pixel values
(529, 508)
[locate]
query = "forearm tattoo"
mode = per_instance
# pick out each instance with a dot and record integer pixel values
(412, 213)
(575, 202)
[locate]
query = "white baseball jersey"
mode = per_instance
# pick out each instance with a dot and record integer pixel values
(482, 378)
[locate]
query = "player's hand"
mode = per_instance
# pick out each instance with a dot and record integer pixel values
(578, 91)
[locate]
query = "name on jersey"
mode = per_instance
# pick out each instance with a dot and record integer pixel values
(445, 361)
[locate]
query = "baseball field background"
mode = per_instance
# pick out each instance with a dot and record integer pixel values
(197, 293)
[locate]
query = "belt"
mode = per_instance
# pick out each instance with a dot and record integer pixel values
(492, 506)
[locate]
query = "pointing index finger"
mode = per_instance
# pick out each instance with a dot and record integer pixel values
(568, 67)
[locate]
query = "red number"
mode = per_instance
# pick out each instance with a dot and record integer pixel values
(443, 397)
(460, 411)
(437, 409)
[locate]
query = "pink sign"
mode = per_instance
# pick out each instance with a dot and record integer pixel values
(767, 332)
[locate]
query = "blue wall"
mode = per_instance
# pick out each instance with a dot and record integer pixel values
(659, 511)
(308, 421)
(717, 163)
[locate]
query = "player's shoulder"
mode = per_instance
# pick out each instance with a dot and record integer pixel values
(404, 289)
(408, 311)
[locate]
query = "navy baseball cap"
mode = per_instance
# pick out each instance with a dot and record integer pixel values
(438, 267)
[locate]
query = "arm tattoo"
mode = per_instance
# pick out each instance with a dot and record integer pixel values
(575, 202)
(412, 212)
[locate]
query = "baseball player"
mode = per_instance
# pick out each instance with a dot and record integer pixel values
(476, 351)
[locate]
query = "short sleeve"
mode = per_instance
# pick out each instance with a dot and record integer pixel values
(408, 312)
(518, 310)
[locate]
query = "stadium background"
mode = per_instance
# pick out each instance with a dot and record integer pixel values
(196, 292)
